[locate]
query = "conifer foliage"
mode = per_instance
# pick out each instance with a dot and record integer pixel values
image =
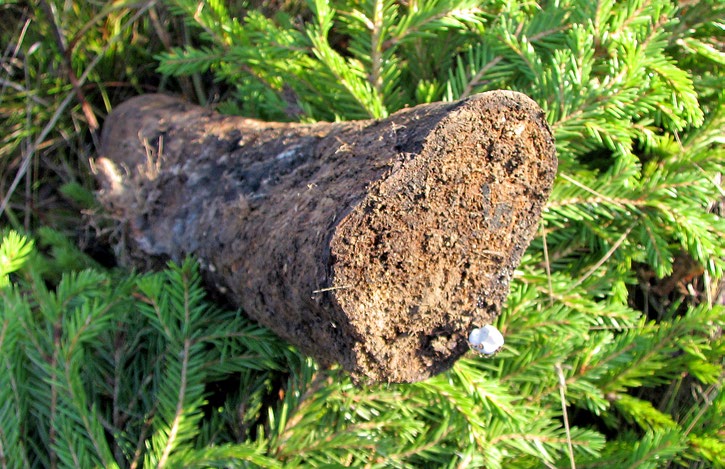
(614, 335)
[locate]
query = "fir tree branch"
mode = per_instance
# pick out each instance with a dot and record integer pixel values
(180, 402)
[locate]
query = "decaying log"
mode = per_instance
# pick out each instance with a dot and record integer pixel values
(375, 244)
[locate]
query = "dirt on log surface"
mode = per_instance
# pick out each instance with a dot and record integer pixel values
(375, 244)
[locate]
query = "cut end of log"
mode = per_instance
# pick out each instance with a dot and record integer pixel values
(376, 244)
(430, 251)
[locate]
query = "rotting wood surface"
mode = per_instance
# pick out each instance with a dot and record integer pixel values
(375, 244)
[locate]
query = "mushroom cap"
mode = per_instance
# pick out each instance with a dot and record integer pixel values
(486, 340)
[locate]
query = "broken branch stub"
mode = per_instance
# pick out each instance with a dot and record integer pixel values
(376, 244)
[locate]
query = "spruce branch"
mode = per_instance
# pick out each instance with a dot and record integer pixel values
(175, 307)
(15, 251)
(144, 371)
(12, 406)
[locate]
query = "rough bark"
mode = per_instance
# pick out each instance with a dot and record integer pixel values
(375, 244)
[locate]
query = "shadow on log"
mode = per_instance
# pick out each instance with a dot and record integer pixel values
(375, 244)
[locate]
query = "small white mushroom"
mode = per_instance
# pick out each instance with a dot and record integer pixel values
(487, 340)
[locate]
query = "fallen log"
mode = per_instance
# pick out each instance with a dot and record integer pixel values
(375, 244)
